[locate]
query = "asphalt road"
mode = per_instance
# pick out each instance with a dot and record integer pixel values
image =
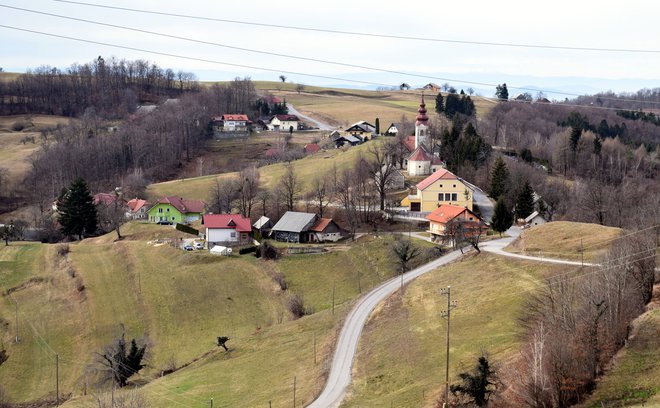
(485, 205)
(342, 362)
(320, 125)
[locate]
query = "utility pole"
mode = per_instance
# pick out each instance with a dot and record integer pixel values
(359, 284)
(57, 379)
(16, 305)
(314, 348)
(447, 313)
(211, 402)
(294, 392)
(334, 284)
(582, 252)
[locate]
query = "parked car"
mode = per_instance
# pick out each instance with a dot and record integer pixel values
(188, 247)
(199, 245)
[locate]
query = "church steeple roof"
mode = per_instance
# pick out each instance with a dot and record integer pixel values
(422, 119)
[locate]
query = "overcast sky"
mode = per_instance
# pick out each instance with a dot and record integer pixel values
(593, 24)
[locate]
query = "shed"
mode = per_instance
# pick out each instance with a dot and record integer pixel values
(535, 219)
(293, 227)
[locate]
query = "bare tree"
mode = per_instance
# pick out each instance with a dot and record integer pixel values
(247, 187)
(223, 195)
(290, 187)
(321, 193)
(381, 168)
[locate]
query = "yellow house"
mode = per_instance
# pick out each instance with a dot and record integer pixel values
(441, 187)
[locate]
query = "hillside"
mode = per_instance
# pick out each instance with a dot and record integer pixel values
(73, 304)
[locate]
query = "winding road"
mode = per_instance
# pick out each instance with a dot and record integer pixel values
(342, 361)
(320, 125)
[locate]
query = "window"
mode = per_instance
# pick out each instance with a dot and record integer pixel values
(168, 210)
(160, 210)
(232, 234)
(441, 197)
(454, 185)
(454, 196)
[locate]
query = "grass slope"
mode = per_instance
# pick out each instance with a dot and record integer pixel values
(401, 355)
(562, 239)
(306, 169)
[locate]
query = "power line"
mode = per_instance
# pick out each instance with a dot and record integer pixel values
(290, 56)
(366, 34)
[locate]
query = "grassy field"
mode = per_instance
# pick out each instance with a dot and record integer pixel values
(306, 169)
(562, 239)
(401, 353)
(180, 302)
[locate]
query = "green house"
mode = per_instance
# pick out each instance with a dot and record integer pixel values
(176, 210)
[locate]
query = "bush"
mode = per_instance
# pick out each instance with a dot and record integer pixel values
(247, 250)
(267, 251)
(279, 278)
(18, 126)
(296, 306)
(63, 250)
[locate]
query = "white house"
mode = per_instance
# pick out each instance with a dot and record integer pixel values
(226, 229)
(535, 219)
(283, 123)
(230, 123)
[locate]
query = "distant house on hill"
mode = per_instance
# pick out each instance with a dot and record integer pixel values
(176, 210)
(227, 230)
(362, 129)
(535, 219)
(441, 218)
(306, 227)
(431, 87)
(283, 123)
(137, 209)
(393, 130)
(230, 123)
(348, 139)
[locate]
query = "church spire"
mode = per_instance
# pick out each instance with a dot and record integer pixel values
(422, 119)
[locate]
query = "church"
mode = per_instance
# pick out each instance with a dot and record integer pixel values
(421, 161)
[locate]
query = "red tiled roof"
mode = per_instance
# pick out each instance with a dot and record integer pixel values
(227, 221)
(436, 160)
(106, 199)
(184, 206)
(136, 204)
(235, 117)
(420, 154)
(321, 224)
(440, 174)
(445, 213)
(409, 142)
(312, 148)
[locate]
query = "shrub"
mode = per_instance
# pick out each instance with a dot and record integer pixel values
(247, 250)
(18, 126)
(279, 278)
(296, 305)
(63, 250)
(267, 251)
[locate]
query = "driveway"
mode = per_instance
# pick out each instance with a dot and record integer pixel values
(320, 125)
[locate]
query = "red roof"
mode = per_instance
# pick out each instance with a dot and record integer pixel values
(184, 206)
(422, 119)
(135, 204)
(321, 224)
(445, 213)
(409, 142)
(227, 221)
(420, 155)
(106, 199)
(440, 174)
(312, 148)
(235, 117)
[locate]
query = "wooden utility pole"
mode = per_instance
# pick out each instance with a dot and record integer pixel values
(447, 313)
(57, 379)
(16, 305)
(211, 402)
(294, 392)
(314, 348)
(334, 284)
(582, 251)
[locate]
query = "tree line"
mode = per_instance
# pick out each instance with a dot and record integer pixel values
(113, 87)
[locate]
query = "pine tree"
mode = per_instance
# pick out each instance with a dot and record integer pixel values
(377, 125)
(478, 385)
(498, 178)
(525, 201)
(77, 213)
(501, 92)
(576, 133)
(439, 103)
(502, 218)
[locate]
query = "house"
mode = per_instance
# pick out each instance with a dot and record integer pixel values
(392, 130)
(348, 139)
(312, 148)
(325, 230)
(283, 123)
(227, 230)
(137, 209)
(535, 219)
(108, 199)
(441, 187)
(172, 209)
(230, 123)
(293, 227)
(395, 181)
(432, 87)
(334, 134)
(441, 218)
(263, 225)
(362, 129)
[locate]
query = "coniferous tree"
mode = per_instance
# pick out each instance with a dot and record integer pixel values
(502, 218)
(525, 201)
(439, 103)
(501, 92)
(77, 213)
(377, 126)
(576, 133)
(499, 178)
(478, 385)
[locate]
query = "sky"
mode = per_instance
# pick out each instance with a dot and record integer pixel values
(630, 25)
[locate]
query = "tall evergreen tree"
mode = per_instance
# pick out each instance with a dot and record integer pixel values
(439, 103)
(478, 385)
(576, 133)
(498, 178)
(77, 213)
(377, 126)
(501, 92)
(525, 201)
(502, 217)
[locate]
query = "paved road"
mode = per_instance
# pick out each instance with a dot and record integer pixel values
(485, 205)
(320, 125)
(342, 362)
